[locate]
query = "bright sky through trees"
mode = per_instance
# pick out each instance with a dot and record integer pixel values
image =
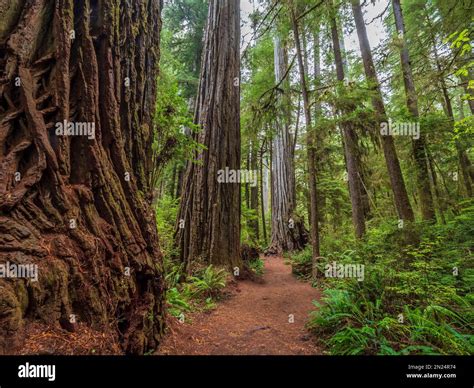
(375, 29)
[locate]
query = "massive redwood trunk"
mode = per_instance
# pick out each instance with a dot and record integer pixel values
(208, 226)
(288, 232)
(78, 206)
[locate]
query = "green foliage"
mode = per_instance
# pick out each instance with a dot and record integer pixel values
(416, 297)
(173, 144)
(184, 21)
(353, 323)
(247, 234)
(301, 263)
(178, 301)
(257, 266)
(209, 282)
(462, 42)
(166, 211)
(464, 128)
(256, 89)
(173, 120)
(190, 293)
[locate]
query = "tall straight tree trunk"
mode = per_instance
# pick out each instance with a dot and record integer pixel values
(262, 196)
(362, 179)
(288, 232)
(419, 145)
(398, 187)
(266, 179)
(350, 146)
(254, 189)
(320, 135)
(70, 201)
(208, 224)
(262, 193)
(311, 148)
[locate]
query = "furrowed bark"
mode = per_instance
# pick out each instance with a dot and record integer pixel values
(254, 188)
(210, 210)
(80, 210)
(262, 194)
(288, 232)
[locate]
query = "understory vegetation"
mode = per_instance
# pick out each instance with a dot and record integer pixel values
(416, 297)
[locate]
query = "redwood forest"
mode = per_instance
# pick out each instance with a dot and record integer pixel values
(236, 177)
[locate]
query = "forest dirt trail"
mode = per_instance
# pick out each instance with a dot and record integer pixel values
(254, 321)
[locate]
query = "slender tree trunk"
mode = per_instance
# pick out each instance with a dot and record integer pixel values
(419, 145)
(288, 232)
(321, 155)
(350, 147)
(208, 224)
(311, 149)
(76, 210)
(400, 195)
(464, 162)
(320, 135)
(363, 182)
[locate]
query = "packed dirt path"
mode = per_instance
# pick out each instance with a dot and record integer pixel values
(255, 320)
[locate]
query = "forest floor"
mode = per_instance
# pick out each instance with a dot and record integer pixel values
(266, 318)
